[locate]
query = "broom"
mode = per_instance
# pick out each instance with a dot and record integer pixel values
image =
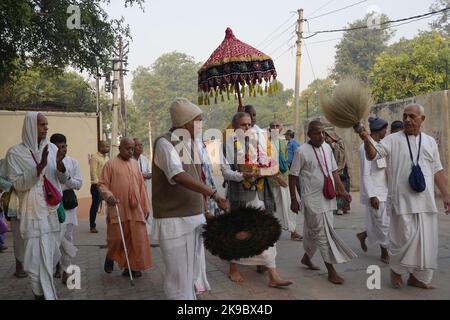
(348, 105)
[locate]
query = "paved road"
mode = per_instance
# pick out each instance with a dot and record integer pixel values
(96, 284)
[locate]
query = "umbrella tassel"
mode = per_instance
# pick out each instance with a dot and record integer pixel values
(200, 100)
(270, 89)
(243, 91)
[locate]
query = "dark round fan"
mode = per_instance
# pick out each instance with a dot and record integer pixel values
(242, 233)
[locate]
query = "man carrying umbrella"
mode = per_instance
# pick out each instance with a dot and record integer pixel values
(239, 196)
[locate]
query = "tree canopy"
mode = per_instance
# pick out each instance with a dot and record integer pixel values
(35, 33)
(411, 67)
(356, 52)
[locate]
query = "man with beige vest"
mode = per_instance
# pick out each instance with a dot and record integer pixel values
(178, 198)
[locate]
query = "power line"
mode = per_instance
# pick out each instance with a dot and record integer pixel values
(284, 52)
(322, 6)
(337, 10)
(277, 37)
(278, 28)
(381, 24)
(322, 41)
(273, 52)
(309, 59)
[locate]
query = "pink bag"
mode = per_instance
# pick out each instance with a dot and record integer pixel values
(52, 195)
(328, 188)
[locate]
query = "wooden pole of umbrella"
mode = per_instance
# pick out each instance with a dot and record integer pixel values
(238, 91)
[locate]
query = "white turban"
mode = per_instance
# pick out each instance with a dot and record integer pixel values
(182, 111)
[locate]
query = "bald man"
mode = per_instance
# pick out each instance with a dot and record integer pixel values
(122, 186)
(413, 229)
(314, 163)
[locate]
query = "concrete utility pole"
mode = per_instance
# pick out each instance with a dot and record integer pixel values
(114, 150)
(298, 125)
(118, 72)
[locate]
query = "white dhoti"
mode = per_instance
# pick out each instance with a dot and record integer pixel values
(283, 213)
(67, 247)
(18, 242)
(183, 260)
(414, 244)
(267, 258)
(377, 225)
(39, 264)
(319, 234)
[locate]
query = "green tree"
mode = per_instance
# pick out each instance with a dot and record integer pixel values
(172, 75)
(356, 52)
(442, 24)
(411, 67)
(35, 33)
(34, 88)
(310, 97)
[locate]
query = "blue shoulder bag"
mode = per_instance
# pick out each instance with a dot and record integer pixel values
(416, 178)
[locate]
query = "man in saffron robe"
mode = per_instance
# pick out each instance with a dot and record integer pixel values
(121, 184)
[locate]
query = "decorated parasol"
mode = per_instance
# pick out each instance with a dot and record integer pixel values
(242, 233)
(235, 68)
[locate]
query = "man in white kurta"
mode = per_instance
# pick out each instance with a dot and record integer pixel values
(146, 170)
(178, 221)
(373, 194)
(318, 229)
(74, 182)
(27, 162)
(414, 220)
(283, 212)
(235, 152)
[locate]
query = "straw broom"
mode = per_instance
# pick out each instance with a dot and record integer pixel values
(348, 106)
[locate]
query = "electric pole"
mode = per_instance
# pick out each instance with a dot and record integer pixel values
(298, 123)
(118, 73)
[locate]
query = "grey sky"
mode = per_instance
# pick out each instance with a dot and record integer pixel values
(197, 27)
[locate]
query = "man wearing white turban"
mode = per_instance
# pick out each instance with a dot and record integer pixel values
(27, 163)
(178, 198)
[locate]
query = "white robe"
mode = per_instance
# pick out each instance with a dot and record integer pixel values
(180, 239)
(414, 225)
(39, 225)
(373, 182)
(318, 211)
(67, 247)
(287, 218)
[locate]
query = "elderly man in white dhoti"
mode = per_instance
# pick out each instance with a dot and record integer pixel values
(178, 197)
(414, 167)
(315, 164)
(27, 163)
(373, 194)
(240, 197)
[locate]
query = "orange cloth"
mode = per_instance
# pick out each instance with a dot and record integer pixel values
(123, 180)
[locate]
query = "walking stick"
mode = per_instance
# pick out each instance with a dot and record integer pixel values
(124, 246)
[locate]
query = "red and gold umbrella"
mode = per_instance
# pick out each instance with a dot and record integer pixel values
(235, 64)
